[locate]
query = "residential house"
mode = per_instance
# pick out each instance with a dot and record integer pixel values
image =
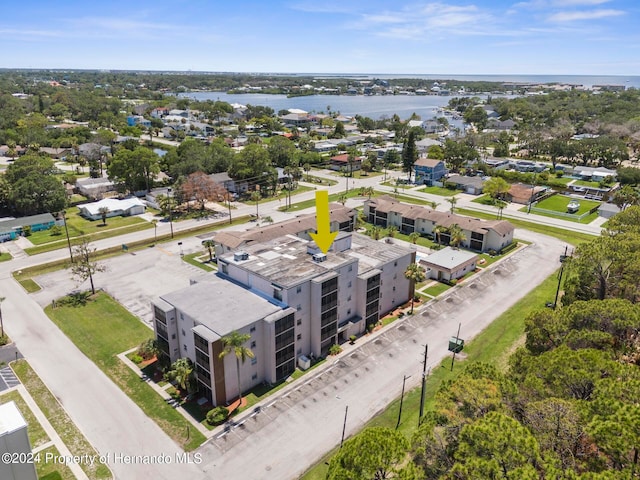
(292, 300)
(425, 144)
(497, 163)
(470, 185)
(428, 170)
(94, 188)
(56, 153)
(12, 228)
(338, 162)
(126, 207)
(152, 196)
(481, 235)
(230, 185)
(159, 112)
(138, 120)
(594, 174)
(524, 194)
(449, 264)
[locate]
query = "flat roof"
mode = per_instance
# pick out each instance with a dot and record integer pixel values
(220, 305)
(450, 258)
(285, 261)
(10, 418)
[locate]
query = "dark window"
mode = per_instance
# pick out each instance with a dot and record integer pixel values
(371, 309)
(373, 282)
(252, 329)
(329, 286)
(160, 315)
(202, 359)
(284, 339)
(163, 345)
(283, 324)
(328, 317)
(285, 354)
(253, 344)
(373, 294)
(299, 337)
(201, 343)
(329, 301)
(328, 331)
(161, 330)
(285, 369)
(477, 236)
(203, 375)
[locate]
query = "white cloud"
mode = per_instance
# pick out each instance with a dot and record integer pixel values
(544, 4)
(572, 16)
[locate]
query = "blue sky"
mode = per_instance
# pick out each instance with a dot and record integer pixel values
(562, 37)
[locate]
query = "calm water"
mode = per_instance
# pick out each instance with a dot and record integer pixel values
(386, 106)
(369, 106)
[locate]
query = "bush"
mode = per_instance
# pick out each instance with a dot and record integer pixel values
(335, 349)
(352, 339)
(148, 349)
(4, 340)
(137, 359)
(217, 415)
(491, 252)
(56, 230)
(26, 230)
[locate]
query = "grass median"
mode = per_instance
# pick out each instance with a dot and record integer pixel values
(493, 345)
(60, 421)
(101, 329)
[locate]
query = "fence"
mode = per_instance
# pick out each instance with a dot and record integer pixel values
(555, 213)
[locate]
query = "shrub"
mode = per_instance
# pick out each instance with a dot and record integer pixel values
(492, 252)
(335, 349)
(137, 359)
(217, 415)
(26, 230)
(352, 339)
(148, 349)
(401, 314)
(4, 339)
(56, 230)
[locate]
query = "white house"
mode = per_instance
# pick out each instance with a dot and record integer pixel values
(14, 443)
(125, 208)
(449, 264)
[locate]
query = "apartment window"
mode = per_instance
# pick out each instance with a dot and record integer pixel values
(299, 307)
(184, 347)
(349, 312)
(225, 269)
(299, 337)
(394, 289)
(395, 264)
(349, 285)
(299, 289)
(254, 360)
(253, 344)
(252, 329)
(349, 299)
(183, 333)
(173, 336)
(299, 351)
(181, 316)
(299, 322)
(350, 268)
(277, 294)
(254, 376)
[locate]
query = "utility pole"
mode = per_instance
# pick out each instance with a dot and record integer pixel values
(456, 349)
(562, 260)
(64, 219)
(344, 425)
(404, 379)
(424, 383)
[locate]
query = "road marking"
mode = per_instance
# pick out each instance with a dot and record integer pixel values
(166, 252)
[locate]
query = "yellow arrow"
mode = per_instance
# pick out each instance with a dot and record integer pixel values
(325, 237)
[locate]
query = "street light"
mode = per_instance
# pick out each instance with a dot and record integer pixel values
(170, 197)
(1, 322)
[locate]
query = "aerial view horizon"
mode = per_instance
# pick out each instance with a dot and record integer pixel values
(481, 37)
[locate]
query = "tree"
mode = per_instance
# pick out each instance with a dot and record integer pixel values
(282, 151)
(255, 197)
(307, 168)
(234, 343)
(376, 453)
(375, 232)
(209, 245)
(438, 231)
(104, 211)
(201, 188)
(476, 116)
(134, 170)
(409, 154)
(368, 191)
(626, 196)
(456, 235)
(496, 188)
(415, 274)
(391, 231)
(339, 131)
(413, 237)
(182, 373)
(452, 201)
(84, 266)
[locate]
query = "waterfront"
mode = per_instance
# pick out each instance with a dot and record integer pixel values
(376, 106)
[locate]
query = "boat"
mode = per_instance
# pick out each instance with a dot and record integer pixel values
(573, 206)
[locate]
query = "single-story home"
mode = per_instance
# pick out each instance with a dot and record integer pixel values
(94, 188)
(425, 144)
(523, 193)
(471, 185)
(595, 174)
(230, 185)
(126, 207)
(11, 228)
(449, 264)
(152, 196)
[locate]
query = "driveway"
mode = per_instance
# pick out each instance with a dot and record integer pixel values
(295, 428)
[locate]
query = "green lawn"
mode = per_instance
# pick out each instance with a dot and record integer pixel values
(37, 435)
(50, 470)
(563, 180)
(5, 256)
(436, 289)
(357, 174)
(29, 285)
(569, 236)
(333, 197)
(103, 328)
(60, 421)
(445, 192)
(318, 180)
(558, 203)
(200, 260)
(493, 345)
(484, 200)
(586, 183)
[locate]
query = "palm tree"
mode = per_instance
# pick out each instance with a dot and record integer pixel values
(414, 236)
(306, 167)
(234, 343)
(368, 191)
(208, 244)
(154, 222)
(452, 201)
(104, 211)
(415, 274)
(439, 230)
(375, 232)
(433, 205)
(267, 219)
(255, 197)
(391, 231)
(182, 373)
(457, 236)
(499, 204)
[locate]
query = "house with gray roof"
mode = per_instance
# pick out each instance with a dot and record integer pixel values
(449, 264)
(471, 185)
(12, 228)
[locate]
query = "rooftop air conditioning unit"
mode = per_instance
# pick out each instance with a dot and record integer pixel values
(239, 256)
(319, 257)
